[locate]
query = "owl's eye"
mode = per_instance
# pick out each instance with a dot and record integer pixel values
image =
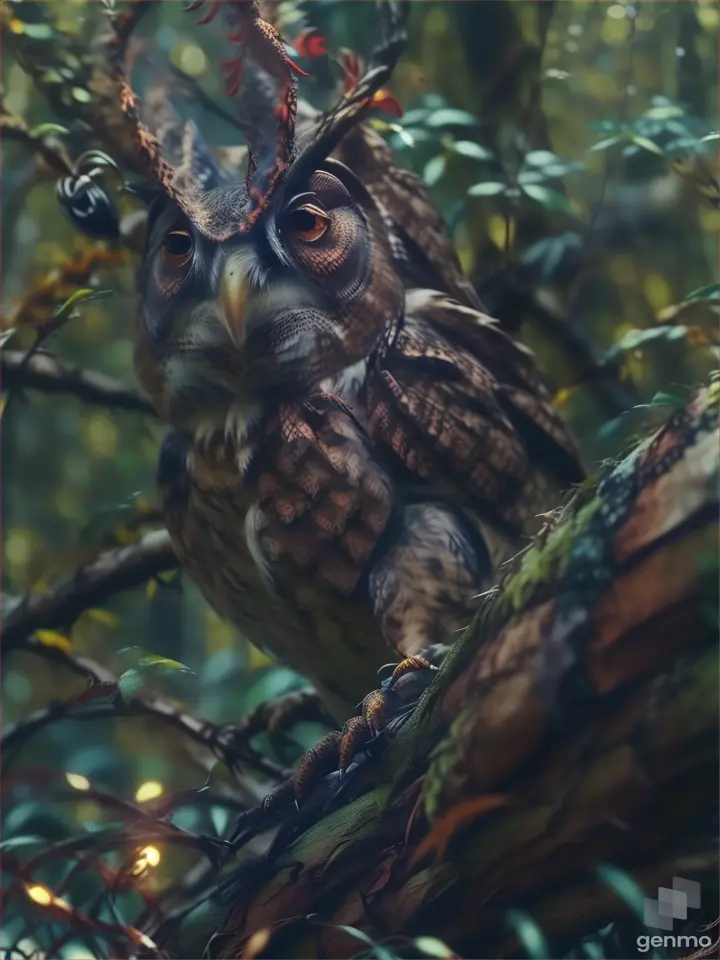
(177, 248)
(308, 223)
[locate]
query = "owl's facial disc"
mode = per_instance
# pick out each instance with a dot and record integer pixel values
(308, 292)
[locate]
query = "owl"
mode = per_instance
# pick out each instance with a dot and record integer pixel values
(355, 447)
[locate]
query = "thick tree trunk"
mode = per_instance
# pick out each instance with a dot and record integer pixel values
(574, 726)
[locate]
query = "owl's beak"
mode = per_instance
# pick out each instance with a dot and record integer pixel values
(235, 292)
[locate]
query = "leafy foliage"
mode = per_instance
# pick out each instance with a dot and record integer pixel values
(573, 153)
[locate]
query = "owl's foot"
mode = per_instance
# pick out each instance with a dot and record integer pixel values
(391, 701)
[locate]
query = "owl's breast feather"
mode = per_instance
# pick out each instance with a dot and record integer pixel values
(297, 614)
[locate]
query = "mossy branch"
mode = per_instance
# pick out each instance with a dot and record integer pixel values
(574, 725)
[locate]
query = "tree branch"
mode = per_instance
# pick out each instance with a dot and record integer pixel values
(229, 742)
(14, 127)
(61, 605)
(50, 375)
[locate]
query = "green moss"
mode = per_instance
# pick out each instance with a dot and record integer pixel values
(546, 564)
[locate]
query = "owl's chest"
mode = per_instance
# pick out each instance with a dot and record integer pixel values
(289, 612)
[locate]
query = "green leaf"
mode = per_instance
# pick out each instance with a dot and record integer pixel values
(38, 31)
(130, 684)
(488, 189)
(661, 399)
(434, 169)
(83, 295)
(272, 683)
(7, 335)
(664, 112)
(412, 118)
(468, 148)
(531, 176)
(604, 144)
(146, 660)
(376, 950)
(637, 339)
(164, 663)
(593, 950)
(49, 130)
(550, 199)
(447, 117)
(624, 886)
(709, 137)
(13, 842)
(353, 932)
(710, 292)
(645, 144)
(540, 158)
(432, 947)
(561, 168)
(530, 934)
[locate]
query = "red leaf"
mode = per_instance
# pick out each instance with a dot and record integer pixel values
(384, 100)
(310, 44)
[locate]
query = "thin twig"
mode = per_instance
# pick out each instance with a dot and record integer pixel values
(230, 746)
(14, 127)
(50, 375)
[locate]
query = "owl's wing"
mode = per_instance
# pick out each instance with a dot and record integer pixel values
(461, 404)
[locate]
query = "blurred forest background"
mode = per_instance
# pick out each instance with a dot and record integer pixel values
(572, 149)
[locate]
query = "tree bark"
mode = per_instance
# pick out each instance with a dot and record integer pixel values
(573, 726)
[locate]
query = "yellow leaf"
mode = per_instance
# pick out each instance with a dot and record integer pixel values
(142, 505)
(657, 291)
(151, 589)
(103, 617)
(50, 638)
(167, 576)
(501, 231)
(126, 535)
(149, 790)
(77, 781)
(257, 658)
(257, 943)
(562, 396)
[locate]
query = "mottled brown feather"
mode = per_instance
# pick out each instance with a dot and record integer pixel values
(440, 401)
(318, 466)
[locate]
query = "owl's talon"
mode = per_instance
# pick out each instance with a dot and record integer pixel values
(322, 759)
(335, 752)
(408, 665)
(357, 732)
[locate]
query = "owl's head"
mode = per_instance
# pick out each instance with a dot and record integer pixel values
(258, 291)
(309, 290)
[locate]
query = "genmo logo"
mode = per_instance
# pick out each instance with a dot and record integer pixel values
(691, 943)
(672, 904)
